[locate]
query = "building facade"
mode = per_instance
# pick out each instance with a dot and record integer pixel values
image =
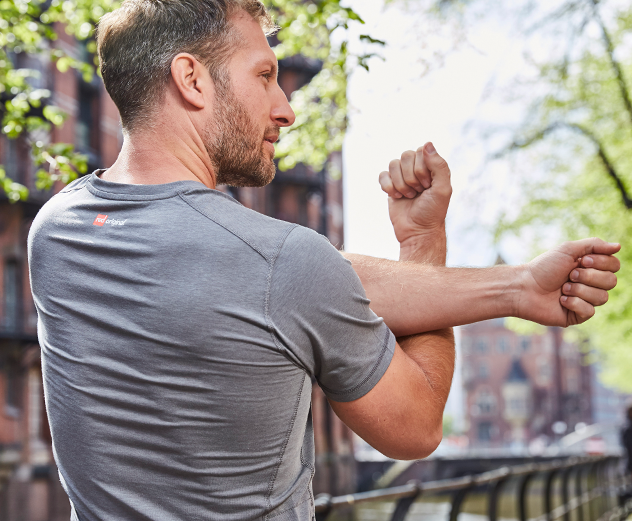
(29, 486)
(523, 388)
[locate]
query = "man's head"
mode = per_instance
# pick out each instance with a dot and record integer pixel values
(213, 56)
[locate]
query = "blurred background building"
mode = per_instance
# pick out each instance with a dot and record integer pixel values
(30, 489)
(526, 392)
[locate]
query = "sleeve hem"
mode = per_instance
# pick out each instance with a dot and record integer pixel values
(380, 367)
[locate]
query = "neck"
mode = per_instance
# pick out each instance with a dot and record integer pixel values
(157, 156)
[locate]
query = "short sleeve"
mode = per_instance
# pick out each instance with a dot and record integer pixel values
(320, 316)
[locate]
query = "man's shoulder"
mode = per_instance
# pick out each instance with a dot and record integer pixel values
(262, 233)
(308, 252)
(57, 204)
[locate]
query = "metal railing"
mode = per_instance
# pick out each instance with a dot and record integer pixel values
(589, 489)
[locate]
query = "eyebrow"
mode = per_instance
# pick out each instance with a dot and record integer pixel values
(273, 66)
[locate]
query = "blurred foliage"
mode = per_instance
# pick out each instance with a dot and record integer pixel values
(318, 30)
(578, 131)
(28, 26)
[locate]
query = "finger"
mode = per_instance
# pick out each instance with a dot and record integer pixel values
(387, 185)
(587, 246)
(595, 278)
(601, 262)
(439, 170)
(594, 296)
(408, 171)
(395, 170)
(581, 308)
(422, 173)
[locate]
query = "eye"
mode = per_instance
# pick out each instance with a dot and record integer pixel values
(267, 76)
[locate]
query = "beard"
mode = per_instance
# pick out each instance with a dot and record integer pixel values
(236, 146)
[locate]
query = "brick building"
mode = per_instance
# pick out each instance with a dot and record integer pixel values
(29, 488)
(519, 386)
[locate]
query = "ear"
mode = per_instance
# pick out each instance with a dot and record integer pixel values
(192, 79)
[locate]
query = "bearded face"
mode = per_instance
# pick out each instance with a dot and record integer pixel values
(236, 145)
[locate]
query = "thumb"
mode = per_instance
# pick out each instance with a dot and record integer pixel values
(592, 245)
(439, 169)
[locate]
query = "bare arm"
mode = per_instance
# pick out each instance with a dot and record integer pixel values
(560, 288)
(413, 298)
(403, 415)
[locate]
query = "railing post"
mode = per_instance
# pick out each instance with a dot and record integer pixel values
(592, 474)
(548, 494)
(457, 500)
(578, 493)
(523, 487)
(404, 504)
(602, 483)
(494, 494)
(321, 516)
(565, 499)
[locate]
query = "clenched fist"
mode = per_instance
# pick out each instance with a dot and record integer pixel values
(419, 192)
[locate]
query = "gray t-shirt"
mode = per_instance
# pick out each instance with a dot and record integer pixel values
(180, 332)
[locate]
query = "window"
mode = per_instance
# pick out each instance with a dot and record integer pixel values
(486, 402)
(87, 124)
(11, 304)
(485, 431)
(525, 344)
(10, 159)
(12, 389)
(483, 370)
(481, 345)
(517, 405)
(503, 345)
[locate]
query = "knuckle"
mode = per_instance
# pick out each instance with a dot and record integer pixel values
(441, 163)
(394, 164)
(408, 155)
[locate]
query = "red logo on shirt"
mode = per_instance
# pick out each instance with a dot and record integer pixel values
(100, 220)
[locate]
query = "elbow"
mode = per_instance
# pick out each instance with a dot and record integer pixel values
(417, 446)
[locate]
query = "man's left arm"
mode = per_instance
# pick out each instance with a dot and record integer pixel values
(432, 351)
(419, 224)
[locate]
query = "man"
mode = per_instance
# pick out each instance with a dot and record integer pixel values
(180, 331)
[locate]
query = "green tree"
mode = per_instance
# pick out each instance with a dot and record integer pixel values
(578, 131)
(306, 28)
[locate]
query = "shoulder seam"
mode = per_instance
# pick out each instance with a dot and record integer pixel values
(266, 306)
(67, 189)
(258, 250)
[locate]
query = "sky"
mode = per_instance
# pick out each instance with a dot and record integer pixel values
(394, 107)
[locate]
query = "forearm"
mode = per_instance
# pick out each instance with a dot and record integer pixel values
(414, 298)
(433, 351)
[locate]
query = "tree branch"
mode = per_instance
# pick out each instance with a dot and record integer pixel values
(623, 87)
(610, 168)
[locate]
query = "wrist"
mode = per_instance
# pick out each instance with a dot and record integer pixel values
(516, 294)
(428, 246)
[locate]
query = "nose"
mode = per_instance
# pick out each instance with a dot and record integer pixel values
(282, 114)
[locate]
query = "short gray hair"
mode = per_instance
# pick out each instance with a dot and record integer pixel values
(138, 41)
